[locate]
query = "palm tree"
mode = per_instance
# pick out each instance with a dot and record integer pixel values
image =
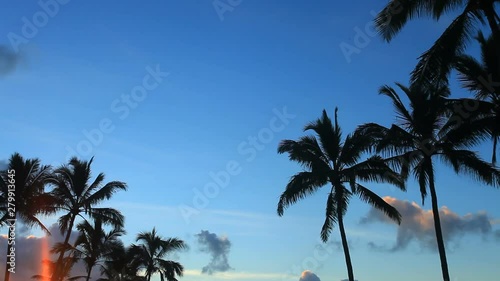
(435, 64)
(150, 255)
(482, 78)
(423, 133)
(78, 196)
(94, 244)
(121, 266)
(28, 177)
(327, 159)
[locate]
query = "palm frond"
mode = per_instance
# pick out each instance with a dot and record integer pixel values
(465, 161)
(374, 200)
(435, 64)
(300, 185)
(330, 217)
(330, 135)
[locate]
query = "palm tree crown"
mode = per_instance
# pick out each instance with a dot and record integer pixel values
(77, 196)
(150, 254)
(328, 159)
(29, 179)
(423, 132)
(94, 244)
(483, 79)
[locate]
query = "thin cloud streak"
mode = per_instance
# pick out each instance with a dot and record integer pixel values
(239, 275)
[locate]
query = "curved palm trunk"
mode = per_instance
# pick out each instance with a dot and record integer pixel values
(88, 273)
(59, 265)
(346, 248)
(437, 226)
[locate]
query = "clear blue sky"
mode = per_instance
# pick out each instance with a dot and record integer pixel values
(227, 78)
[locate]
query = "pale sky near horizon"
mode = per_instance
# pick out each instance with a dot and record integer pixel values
(221, 91)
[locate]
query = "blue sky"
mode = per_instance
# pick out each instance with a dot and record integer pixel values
(227, 79)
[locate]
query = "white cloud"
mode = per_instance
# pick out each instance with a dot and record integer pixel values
(418, 225)
(307, 275)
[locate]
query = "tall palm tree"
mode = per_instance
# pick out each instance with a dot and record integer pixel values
(121, 266)
(77, 196)
(435, 64)
(94, 244)
(29, 179)
(328, 159)
(150, 254)
(425, 131)
(483, 79)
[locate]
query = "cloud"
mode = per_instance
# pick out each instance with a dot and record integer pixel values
(497, 235)
(9, 60)
(418, 225)
(218, 248)
(29, 254)
(307, 275)
(238, 275)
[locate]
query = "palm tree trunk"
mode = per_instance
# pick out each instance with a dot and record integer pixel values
(437, 226)
(494, 157)
(88, 273)
(59, 264)
(346, 248)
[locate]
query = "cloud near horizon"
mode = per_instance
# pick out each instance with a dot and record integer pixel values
(308, 275)
(218, 247)
(418, 225)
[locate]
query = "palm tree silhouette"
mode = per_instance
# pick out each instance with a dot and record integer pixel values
(31, 200)
(121, 266)
(435, 64)
(425, 132)
(327, 159)
(150, 254)
(483, 79)
(94, 244)
(78, 196)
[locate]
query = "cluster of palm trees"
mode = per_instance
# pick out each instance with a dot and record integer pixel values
(70, 191)
(431, 126)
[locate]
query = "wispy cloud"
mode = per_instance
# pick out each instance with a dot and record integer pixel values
(240, 275)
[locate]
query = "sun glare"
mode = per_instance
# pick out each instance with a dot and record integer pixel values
(45, 257)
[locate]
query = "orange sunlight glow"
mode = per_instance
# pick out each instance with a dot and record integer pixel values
(45, 256)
